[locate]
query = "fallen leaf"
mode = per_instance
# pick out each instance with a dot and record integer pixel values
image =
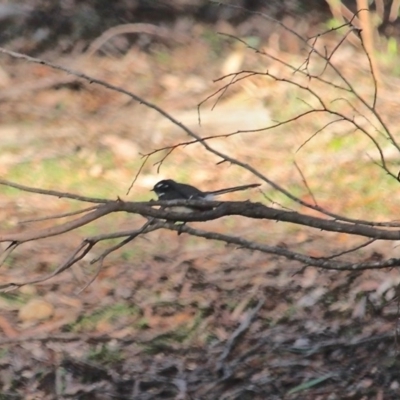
(35, 310)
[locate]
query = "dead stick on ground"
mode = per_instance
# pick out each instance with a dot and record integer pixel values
(230, 344)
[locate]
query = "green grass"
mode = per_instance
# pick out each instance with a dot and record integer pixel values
(59, 174)
(215, 42)
(105, 313)
(105, 355)
(10, 301)
(70, 174)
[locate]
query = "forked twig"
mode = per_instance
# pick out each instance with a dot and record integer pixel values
(77, 255)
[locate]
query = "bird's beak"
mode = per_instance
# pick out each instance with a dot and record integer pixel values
(151, 190)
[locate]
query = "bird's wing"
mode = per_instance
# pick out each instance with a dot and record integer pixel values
(189, 191)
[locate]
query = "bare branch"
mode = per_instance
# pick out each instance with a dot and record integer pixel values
(245, 209)
(63, 228)
(312, 49)
(83, 249)
(57, 216)
(149, 226)
(52, 192)
(280, 251)
(290, 66)
(77, 255)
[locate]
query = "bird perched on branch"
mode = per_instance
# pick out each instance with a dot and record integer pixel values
(168, 189)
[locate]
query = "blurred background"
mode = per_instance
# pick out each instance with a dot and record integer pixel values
(163, 307)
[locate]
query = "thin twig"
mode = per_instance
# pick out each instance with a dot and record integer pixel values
(53, 192)
(280, 251)
(352, 250)
(56, 230)
(56, 216)
(8, 251)
(238, 333)
(303, 178)
(77, 255)
(146, 157)
(149, 226)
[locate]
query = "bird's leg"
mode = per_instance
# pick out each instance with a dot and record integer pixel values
(180, 227)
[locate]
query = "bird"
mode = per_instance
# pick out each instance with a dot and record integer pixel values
(168, 189)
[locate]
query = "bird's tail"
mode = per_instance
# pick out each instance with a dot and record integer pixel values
(233, 189)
